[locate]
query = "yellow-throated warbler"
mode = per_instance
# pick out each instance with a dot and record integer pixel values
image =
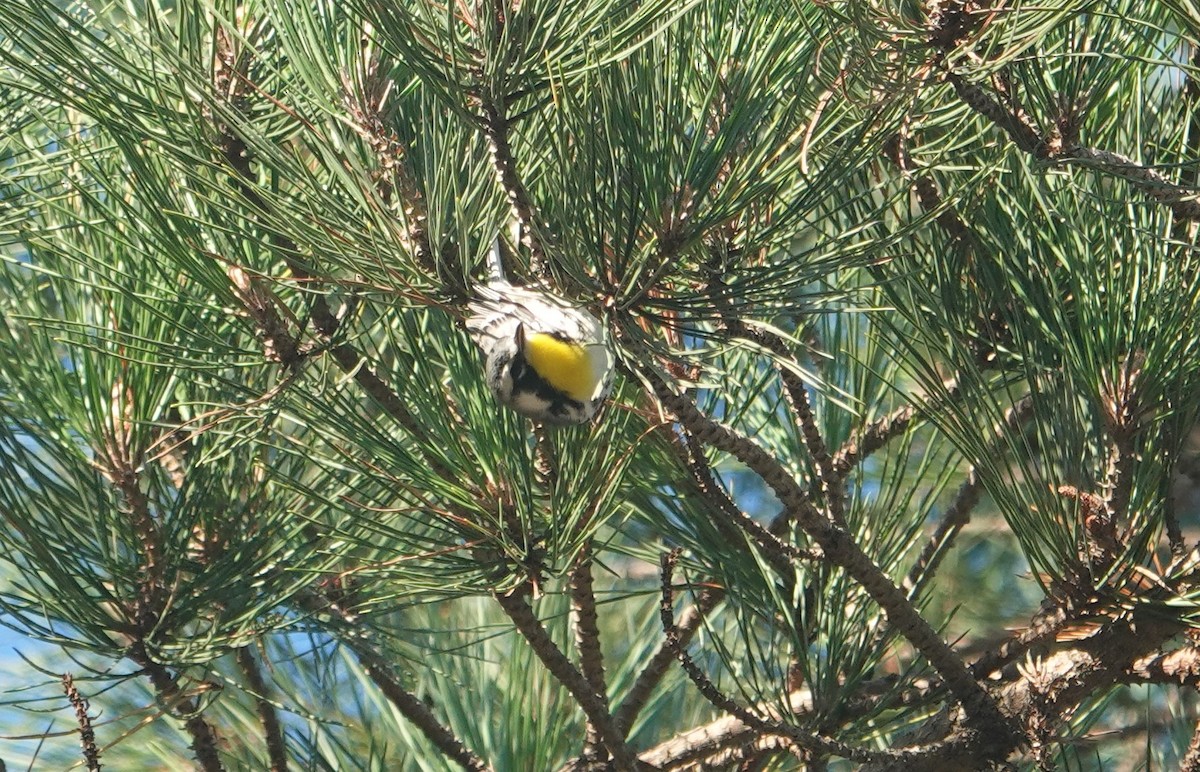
(546, 358)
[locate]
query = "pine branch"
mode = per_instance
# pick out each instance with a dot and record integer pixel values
(1191, 758)
(727, 514)
(1123, 422)
(929, 197)
(119, 463)
(1175, 540)
(1080, 653)
(841, 549)
(381, 672)
(1044, 627)
(205, 740)
(239, 158)
(267, 716)
(953, 518)
(263, 307)
(766, 727)
(414, 709)
(732, 522)
(741, 747)
(876, 435)
(1047, 689)
(1014, 123)
(717, 742)
(1180, 666)
(1057, 146)
(1182, 201)
(594, 705)
(365, 109)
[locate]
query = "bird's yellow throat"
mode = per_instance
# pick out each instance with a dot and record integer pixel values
(567, 367)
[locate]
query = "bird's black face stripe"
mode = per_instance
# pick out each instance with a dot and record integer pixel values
(517, 368)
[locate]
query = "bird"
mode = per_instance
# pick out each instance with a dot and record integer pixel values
(546, 358)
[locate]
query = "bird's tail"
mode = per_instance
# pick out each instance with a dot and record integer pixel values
(495, 264)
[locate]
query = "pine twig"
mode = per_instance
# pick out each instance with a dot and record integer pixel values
(1191, 759)
(876, 435)
(733, 522)
(1057, 146)
(958, 513)
(1179, 666)
(87, 735)
(1015, 123)
(656, 666)
(871, 438)
(832, 488)
(1047, 689)
(1185, 475)
(716, 742)
(928, 196)
(365, 107)
(270, 327)
(1123, 424)
(955, 516)
(497, 130)
(1184, 202)
(238, 156)
(118, 462)
(719, 744)
(1044, 627)
(349, 359)
(415, 710)
(587, 642)
(831, 483)
(267, 716)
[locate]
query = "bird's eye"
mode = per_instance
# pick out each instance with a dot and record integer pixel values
(517, 367)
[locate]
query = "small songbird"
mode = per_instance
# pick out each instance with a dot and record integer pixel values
(547, 358)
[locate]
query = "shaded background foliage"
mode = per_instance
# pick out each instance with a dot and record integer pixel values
(904, 296)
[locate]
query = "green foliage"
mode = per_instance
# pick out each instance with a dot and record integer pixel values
(242, 429)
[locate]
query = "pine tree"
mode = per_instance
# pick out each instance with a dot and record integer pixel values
(897, 473)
